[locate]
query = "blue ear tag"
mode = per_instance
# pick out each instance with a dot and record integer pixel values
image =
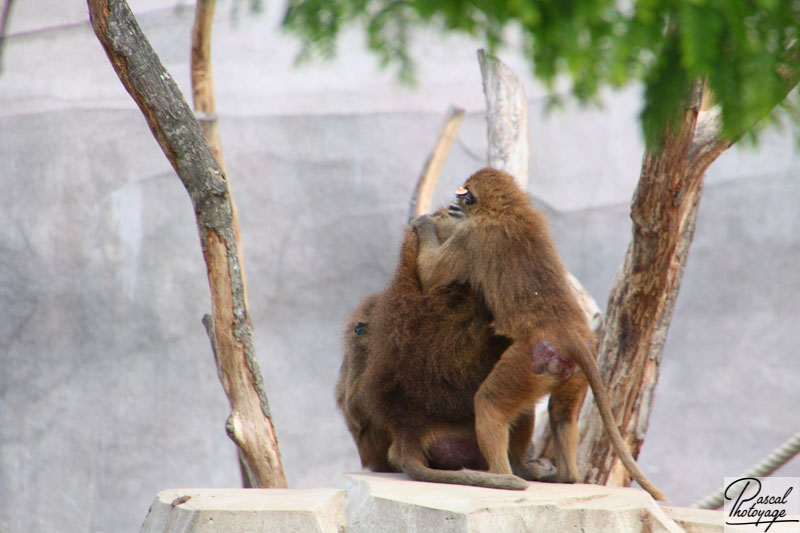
(361, 328)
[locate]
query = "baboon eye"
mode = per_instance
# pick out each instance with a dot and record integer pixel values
(466, 195)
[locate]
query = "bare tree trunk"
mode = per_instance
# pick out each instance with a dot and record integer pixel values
(642, 299)
(426, 185)
(180, 137)
(205, 109)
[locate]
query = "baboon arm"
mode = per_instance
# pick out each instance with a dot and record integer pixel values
(442, 263)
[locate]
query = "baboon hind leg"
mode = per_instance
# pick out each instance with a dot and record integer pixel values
(564, 408)
(520, 450)
(508, 391)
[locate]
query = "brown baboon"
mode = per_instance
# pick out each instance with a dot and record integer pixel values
(413, 363)
(372, 440)
(504, 251)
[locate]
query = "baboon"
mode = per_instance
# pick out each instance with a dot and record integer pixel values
(371, 439)
(413, 363)
(504, 251)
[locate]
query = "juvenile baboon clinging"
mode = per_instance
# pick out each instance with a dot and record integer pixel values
(413, 363)
(504, 251)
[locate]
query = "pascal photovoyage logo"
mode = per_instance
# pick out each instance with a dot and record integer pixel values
(767, 504)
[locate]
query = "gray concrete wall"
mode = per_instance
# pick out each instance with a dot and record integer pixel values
(108, 391)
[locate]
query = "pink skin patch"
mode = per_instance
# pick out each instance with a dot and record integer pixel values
(545, 358)
(461, 191)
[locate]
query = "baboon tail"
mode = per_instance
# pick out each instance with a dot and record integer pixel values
(589, 367)
(418, 471)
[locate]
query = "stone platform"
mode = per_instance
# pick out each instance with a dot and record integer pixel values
(392, 503)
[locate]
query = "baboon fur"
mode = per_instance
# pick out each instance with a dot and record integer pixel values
(504, 251)
(407, 382)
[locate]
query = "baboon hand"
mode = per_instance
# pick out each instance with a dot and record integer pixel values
(454, 210)
(423, 224)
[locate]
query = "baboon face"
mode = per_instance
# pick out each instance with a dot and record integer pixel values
(490, 191)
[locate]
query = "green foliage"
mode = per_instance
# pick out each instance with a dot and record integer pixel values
(744, 49)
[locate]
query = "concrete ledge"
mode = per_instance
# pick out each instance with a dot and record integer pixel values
(697, 520)
(235, 510)
(376, 500)
(377, 503)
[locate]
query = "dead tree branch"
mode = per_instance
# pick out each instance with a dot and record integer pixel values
(203, 76)
(205, 110)
(426, 185)
(506, 118)
(177, 132)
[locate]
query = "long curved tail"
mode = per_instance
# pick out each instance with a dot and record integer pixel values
(589, 366)
(418, 471)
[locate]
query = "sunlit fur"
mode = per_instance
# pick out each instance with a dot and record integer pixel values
(504, 251)
(407, 384)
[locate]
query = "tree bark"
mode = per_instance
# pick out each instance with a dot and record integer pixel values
(506, 118)
(203, 77)
(426, 185)
(642, 299)
(205, 110)
(179, 135)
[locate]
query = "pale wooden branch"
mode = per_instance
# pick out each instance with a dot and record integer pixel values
(506, 118)
(592, 312)
(708, 143)
(206, 112)
(179, 136)
(203, 76)
(204, 102)
(426, 185)
(248, 478)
